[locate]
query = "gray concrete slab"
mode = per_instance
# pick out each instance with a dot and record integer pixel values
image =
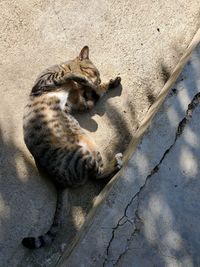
(150, 217)
(141, 41)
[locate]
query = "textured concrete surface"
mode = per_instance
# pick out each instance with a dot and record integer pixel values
(151, 216)
(141, 42)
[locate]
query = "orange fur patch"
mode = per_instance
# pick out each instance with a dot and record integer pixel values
(84, 140)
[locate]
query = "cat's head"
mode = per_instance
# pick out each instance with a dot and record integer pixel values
(81, 70)
(87, 68)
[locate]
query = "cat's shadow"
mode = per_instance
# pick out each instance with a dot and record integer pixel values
(85, 119)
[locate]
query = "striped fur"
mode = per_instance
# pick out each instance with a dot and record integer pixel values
(54, 137)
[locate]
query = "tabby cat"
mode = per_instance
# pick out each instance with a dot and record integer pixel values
(54, 137)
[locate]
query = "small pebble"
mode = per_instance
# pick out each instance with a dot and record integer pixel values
(62, 247)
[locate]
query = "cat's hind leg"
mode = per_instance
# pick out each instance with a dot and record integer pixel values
(111, 168)
(94, 163)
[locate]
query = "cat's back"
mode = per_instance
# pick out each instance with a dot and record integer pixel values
(46, 126)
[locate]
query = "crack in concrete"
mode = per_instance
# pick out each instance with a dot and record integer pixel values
(117, 226)
(136, 230)
(137, 220)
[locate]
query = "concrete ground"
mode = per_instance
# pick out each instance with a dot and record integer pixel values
(141, 42)
(151, 215)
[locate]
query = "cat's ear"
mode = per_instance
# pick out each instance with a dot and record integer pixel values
(84, 54)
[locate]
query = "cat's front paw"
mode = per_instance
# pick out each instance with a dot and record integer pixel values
(114, 83)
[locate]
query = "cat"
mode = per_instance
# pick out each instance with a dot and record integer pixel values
(54, 137)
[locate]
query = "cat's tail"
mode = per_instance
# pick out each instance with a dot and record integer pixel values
(41, 241)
